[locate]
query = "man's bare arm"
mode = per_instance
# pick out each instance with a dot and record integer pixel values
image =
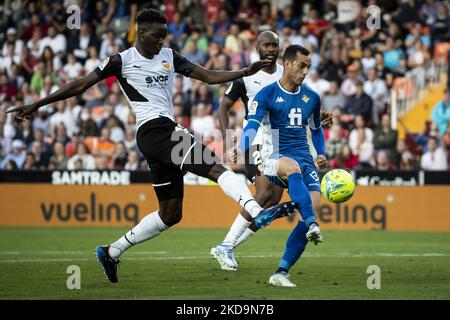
(214, 76)
(224, 120)
(73, 88)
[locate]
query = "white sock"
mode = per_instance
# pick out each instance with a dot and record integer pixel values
(237, 229)
(149, 227)
(247, 234)
(237, 189)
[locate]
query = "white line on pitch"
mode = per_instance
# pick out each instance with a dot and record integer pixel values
(397, 255)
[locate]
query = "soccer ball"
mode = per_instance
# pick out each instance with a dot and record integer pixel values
(337, 185)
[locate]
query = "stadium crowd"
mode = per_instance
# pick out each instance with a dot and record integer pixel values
(353, 69)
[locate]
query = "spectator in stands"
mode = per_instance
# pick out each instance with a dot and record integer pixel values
(368, 61)
(376, 89)
(316, 83)
(101, 146)
(344, 159)
(335, 141)
(202, 123)
(333, 98)
(81, 43)
(63, 116)
(195, 15)
(58, 161)
(385, 138)
(441, 112)
(435, 158)
(133, 161)
(11, 38)
(194, 54)
(130, 139)
(359, 104)
(287, 18)
(120, 156)
(383, 162)
(92, 62)
(17, 154)
(81, 160)
(56, 41)
(30, 162)
(73, 69)
(41, 156)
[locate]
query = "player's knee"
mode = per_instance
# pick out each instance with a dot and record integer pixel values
(171, 214)
(289, 167)
(216, 171)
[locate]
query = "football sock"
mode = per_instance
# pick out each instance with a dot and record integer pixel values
(149, 227)
(237, 189)
(299, 193)
(247, 234)
(295, 245)
(238, 227)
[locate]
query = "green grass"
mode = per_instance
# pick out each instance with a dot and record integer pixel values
(176, 265)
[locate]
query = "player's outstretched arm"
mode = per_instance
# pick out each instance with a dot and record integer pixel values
(214, 76)
(73, 88)
(225, 107)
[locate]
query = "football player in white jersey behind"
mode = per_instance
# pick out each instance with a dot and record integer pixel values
(267, 193)
(145, 74)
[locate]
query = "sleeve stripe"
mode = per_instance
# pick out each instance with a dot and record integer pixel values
(254, 120)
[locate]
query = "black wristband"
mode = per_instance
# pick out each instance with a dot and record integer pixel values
(245, 72)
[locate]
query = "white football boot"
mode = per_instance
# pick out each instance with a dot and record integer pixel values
(281, 279)
(224, 255)
(314, 234)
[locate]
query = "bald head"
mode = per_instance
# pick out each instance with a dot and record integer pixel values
(266, 35)
(268, 46)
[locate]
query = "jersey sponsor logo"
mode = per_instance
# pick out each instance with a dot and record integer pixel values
(157, 80)
(257, 82)
(279, 100)
(295, 117)
(253, 108)
(166, 65)
(305, 98)
(103, 64)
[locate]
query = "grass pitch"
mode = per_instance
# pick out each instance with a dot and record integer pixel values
(177, 265)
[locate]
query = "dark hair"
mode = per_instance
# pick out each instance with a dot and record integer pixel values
(150, 16)
(291, 52)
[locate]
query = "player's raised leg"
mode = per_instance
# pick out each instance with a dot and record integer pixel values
(295, 245)
(288, 170)
(170, 197)
(267, 195)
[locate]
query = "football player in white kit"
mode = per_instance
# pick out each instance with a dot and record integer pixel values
(267, 193)
(145, 74)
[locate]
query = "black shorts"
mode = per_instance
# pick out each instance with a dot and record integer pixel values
(171, 150)
(252, 161)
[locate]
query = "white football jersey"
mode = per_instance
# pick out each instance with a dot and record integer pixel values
(246, 88)
(146, 83)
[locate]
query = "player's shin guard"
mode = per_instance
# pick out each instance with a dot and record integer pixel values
(299, 193)
(149, 227)
(237, 189)
(295, 245)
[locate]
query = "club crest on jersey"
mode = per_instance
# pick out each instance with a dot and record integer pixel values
(166, 65)
(253, 108)
(103, 64)
(305, 98)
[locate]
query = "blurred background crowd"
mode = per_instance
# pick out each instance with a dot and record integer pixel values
(354, 68)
